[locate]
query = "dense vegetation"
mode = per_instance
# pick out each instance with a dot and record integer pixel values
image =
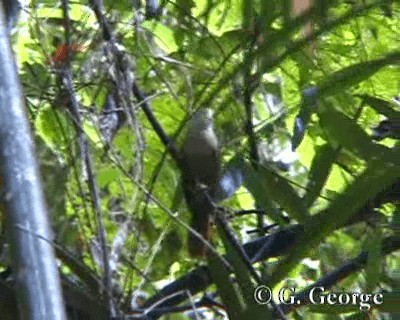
(299, 97)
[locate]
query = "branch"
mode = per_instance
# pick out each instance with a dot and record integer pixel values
(390, 244)
(165, 139)
(260, 249)
(87, 161)
(200, 278)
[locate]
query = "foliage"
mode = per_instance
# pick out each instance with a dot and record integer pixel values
(330, 73)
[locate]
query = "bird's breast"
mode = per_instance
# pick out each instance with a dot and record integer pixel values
(201, 158)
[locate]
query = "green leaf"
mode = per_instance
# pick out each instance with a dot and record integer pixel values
(251, 310)
(107, 175)
(343, 131)
(240, 269)
(319, 172)
(266, 183)
(387, 108)
(51, 125)
(164, 36)
(390, 302)
(92, 132)
(373, 268)
(186, 5)
(381, 172)
(267, 13)
(350, 76)
(248, 14)
(227, 290)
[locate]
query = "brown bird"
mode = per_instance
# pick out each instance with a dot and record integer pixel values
(200, 176)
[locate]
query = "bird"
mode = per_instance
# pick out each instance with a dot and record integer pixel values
(201, 170)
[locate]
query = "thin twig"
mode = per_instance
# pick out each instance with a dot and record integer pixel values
(66, 77)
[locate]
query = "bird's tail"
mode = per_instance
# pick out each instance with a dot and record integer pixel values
(201, 224)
